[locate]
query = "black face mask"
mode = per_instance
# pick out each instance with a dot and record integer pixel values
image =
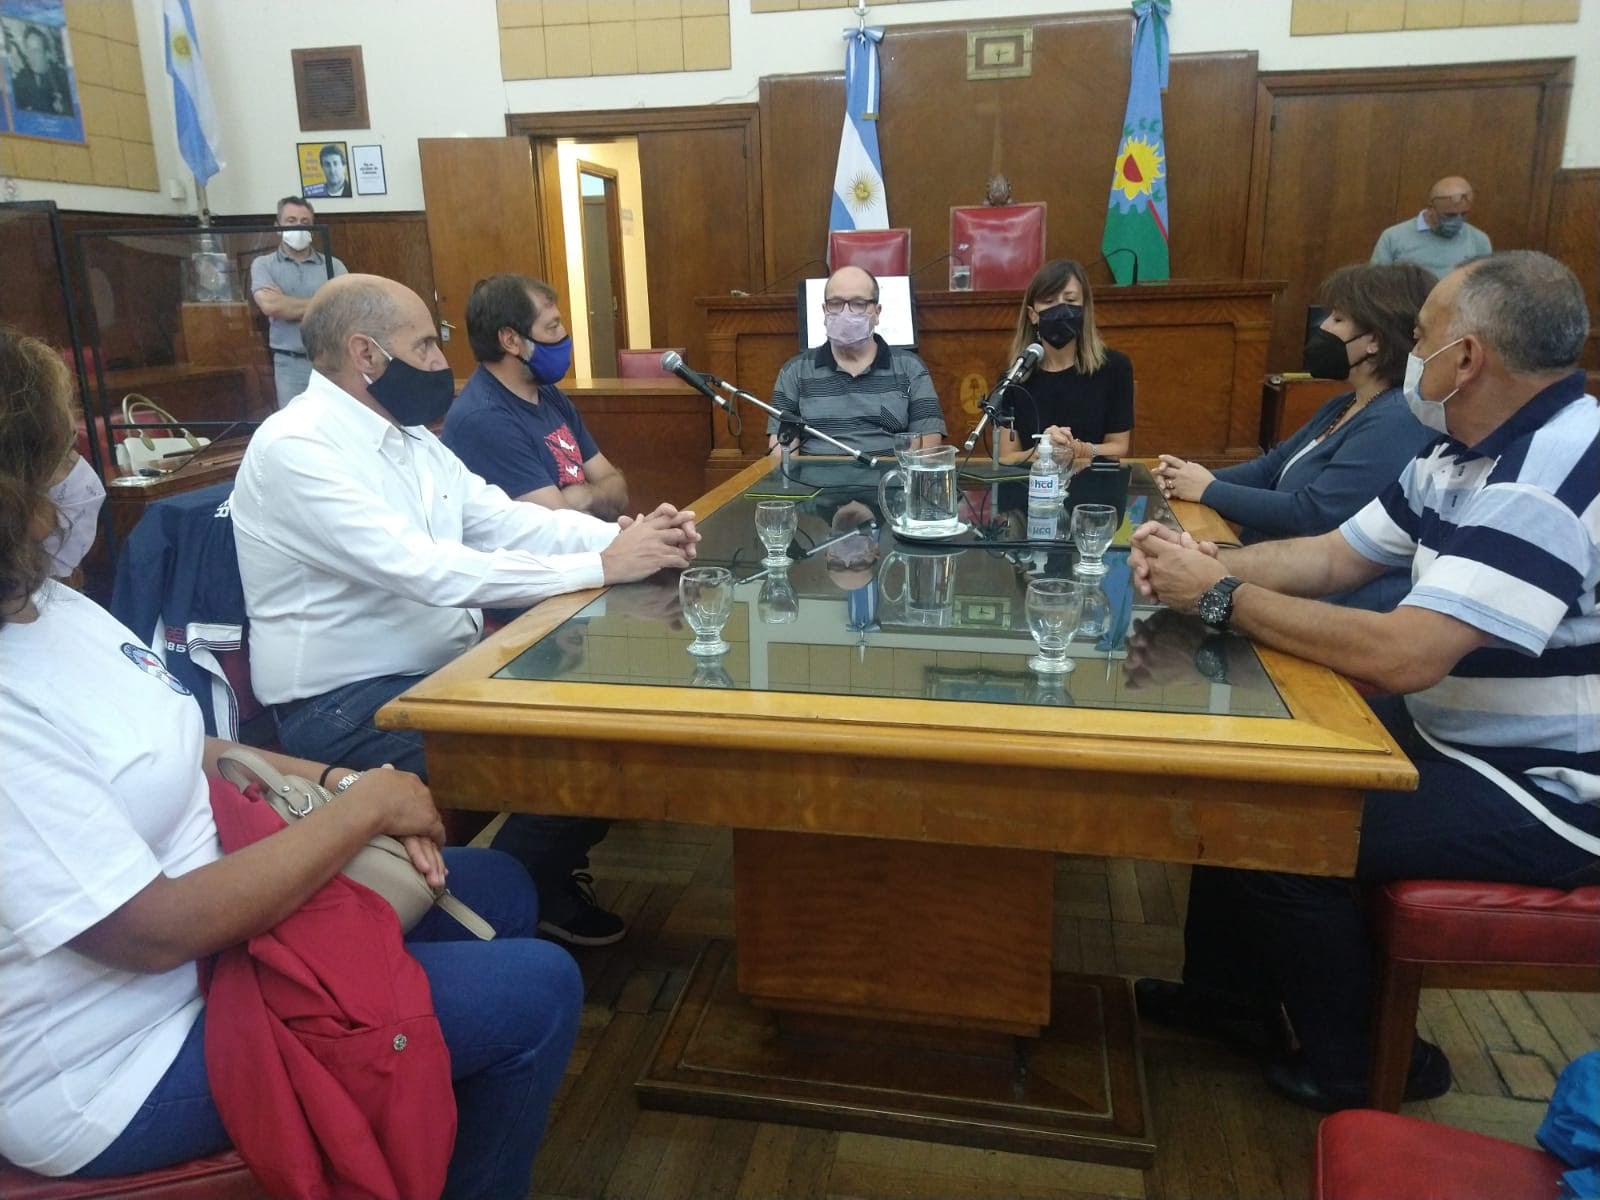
(1325, 357)
(411, 395)
(1061, 323)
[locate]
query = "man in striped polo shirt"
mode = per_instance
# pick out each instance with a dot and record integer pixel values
(855, 386)
(1491, 663)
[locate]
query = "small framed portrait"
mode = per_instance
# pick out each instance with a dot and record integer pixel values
(324, 170)
(41, 90)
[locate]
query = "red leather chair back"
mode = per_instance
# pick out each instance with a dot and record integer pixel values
(217, 1177)
(1004, 246)
(643, 364)
(881, 251)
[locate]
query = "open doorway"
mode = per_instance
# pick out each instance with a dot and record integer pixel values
(606, 288)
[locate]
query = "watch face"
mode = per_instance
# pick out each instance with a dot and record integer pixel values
(1215, 607)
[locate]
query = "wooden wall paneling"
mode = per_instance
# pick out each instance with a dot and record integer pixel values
(1573, 236)
(458, 176)
(1054, 134)
(801, 117)
(394, 245)
(699, 238)
(1209, 113)
(1340, 155)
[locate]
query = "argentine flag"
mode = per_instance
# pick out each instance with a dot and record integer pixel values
(859, 201)
(198, 138)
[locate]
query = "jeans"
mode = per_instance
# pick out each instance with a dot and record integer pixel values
(338, 727)
(509, 1012)
(1266, 938)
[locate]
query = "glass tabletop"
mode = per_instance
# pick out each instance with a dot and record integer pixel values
(854, 609)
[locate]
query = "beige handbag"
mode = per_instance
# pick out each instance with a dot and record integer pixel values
(138, 450)
(382, 864)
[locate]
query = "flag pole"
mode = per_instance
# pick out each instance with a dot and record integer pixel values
(202, 202)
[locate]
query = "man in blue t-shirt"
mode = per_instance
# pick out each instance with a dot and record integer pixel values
(511, 424)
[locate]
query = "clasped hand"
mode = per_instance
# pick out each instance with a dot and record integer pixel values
(1172, 567)
(408, 814)
(1181, 480)
(650, 542)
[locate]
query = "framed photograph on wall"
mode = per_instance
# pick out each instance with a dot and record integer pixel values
(366, 164)
(41, 90)
(324, 170)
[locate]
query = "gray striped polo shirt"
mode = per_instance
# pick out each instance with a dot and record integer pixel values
(894, 395)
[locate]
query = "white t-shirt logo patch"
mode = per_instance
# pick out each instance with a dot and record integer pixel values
(147, 662)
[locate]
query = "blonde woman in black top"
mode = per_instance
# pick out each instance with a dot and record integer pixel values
(1082, 392)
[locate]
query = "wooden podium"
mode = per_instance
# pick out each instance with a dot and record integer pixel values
(1199, 352)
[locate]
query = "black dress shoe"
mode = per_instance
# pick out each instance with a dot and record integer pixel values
(1237, 1024)
(1428, 1078)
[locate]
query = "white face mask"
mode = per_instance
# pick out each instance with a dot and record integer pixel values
(77, 499)
(1429, 412)
(297, 239)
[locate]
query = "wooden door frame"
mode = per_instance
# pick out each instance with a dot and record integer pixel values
(619, 275)
(602, 124)
(1553, 75)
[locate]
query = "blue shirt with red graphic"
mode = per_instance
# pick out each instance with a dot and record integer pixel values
(515, 445)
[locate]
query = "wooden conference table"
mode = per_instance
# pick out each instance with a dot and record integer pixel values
(899, 785)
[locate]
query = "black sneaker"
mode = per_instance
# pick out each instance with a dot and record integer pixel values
(575, 918)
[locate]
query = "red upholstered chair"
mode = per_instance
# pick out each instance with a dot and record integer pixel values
(1472, 935)
(881, 251)
(1365, 1155)
(1004, 246)
(643, 364)
(217, 1177)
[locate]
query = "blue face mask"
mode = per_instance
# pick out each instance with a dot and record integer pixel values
(1450, 225)
(549, 361)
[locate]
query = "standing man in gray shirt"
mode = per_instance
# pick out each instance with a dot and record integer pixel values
(283, 283)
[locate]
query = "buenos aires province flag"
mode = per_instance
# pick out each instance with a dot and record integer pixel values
(1135, 240)
(199, 139)
(859, 201)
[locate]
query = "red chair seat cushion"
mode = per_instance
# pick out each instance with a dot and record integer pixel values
(216, 1177)
(1365, 1155)
(1449, 922)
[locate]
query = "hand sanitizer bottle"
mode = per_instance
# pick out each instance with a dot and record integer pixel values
(1044, 478)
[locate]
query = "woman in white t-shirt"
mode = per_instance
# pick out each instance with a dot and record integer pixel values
(113, 883)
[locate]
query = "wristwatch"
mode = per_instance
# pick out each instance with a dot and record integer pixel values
(1211, 658)
(1216, 603)
(346, 782)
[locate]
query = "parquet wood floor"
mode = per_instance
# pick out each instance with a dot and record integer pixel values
(1220, 1132)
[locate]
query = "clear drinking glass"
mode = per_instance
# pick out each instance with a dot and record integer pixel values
(706, 597)
(1092, 528)
(775, 525)
(904, 444)
(1054, 607)
(778, 603)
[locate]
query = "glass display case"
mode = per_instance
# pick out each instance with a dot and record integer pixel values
(167, 317)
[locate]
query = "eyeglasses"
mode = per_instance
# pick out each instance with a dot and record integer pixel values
(838, 306)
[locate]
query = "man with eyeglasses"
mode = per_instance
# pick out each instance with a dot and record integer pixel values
(1438, 237)
(855, 386)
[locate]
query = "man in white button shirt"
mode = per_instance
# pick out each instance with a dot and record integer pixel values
(367, 550)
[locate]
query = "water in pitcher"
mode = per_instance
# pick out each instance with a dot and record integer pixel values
(931, 496)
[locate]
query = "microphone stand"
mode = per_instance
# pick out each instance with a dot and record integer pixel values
(740, 394)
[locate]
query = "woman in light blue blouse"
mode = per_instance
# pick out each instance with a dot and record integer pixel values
(1353, 447)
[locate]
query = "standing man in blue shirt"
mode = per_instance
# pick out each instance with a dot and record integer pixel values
(511, 424)
(282, 284)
